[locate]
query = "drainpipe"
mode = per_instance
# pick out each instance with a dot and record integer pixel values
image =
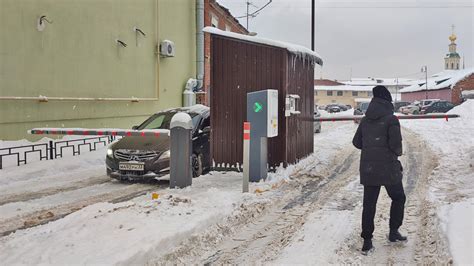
(199, 43)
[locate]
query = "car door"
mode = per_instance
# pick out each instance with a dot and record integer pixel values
(201, 139)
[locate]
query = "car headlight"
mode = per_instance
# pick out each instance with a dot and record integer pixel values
(110, 153)
(165, 155)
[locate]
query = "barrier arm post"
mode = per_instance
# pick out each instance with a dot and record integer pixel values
(246, 160)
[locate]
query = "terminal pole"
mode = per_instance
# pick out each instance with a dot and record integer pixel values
(246, 160)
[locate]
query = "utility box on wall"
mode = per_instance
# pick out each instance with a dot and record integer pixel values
(262, 112)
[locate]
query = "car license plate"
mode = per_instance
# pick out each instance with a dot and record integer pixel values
(126, 166)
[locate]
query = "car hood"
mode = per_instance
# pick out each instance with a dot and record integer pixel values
(157, 144)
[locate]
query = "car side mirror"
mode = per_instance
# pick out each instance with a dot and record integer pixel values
(135, 127)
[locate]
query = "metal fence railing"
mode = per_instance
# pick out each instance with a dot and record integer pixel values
(53, 149)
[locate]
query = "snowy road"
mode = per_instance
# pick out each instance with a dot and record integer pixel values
(308, 213)
(317, 221)
(24, 209)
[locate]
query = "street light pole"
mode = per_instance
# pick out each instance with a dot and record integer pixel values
(425, 69)
(312, 23)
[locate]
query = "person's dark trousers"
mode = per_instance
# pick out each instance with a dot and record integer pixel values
(371, 194)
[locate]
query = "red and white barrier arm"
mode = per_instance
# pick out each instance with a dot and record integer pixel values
(246, 159)
(100, 132)
(400, 117)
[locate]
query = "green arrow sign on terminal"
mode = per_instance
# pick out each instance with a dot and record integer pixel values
(257, 107)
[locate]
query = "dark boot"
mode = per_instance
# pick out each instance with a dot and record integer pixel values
(395, 236)
(367, 246)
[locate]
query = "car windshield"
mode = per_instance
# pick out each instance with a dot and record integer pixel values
(163, 120)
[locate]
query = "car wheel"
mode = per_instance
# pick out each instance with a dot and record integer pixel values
(318, 130)
(415, 112)
(197, 164)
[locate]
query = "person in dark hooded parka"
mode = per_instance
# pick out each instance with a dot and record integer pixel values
(379, 137)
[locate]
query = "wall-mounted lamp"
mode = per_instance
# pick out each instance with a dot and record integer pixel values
(41, 24)
(119, 42)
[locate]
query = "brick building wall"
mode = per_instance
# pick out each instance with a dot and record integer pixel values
(446, 94)
(465, 85)
(214, 12)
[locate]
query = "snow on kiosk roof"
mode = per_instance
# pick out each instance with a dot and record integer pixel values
(292, 48)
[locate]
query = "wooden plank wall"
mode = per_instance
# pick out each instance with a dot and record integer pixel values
(239, 67)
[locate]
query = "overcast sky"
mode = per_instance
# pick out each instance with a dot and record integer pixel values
(377, 38)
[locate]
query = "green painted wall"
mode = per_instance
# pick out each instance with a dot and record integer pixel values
(77, 56)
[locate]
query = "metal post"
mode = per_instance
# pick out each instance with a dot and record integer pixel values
(181, 174)
(247, 14)
(312, 23)
(246, 160)
(51, 150)
(426, 79)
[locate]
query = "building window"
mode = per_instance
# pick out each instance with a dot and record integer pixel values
(355, 93)
(369, 93)
(452, 65)
(329, 93)
(214, 21)
(227, 28)
(339, 93)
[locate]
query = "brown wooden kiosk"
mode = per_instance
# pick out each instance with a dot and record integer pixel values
(242, 64)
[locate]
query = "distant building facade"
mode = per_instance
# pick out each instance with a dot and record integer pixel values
(342, 94)
(215, 15)
(448, 86)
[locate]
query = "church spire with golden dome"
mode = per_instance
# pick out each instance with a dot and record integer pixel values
(452, 59)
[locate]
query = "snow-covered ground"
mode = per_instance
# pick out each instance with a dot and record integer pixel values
(308, 213)
(452, 181)
(135, 230)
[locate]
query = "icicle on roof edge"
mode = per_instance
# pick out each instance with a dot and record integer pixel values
(292, 48)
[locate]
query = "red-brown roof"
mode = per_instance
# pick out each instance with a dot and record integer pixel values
(326, 82)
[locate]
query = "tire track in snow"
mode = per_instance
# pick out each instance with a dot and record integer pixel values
(40, 214)
(9, 198)
(265, 233)
(425, 243)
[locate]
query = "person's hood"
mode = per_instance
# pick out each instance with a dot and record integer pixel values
(379, 108)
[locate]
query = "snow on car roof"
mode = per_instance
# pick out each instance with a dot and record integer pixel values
(445, 79)
(197, 108)
(292, 48)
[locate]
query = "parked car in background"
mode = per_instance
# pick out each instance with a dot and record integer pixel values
(333, 108)
(398, 105)
(437, 107)
(322, 107)
(425, 103)
(411, 109)
(348, 106)
(361, 108)
(145, 158)
(341, 107)
(317, 124)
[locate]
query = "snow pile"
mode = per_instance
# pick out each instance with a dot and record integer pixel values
(442, 80)
(452, 180)
(292, 48)
(457, 220)
(127, 232)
